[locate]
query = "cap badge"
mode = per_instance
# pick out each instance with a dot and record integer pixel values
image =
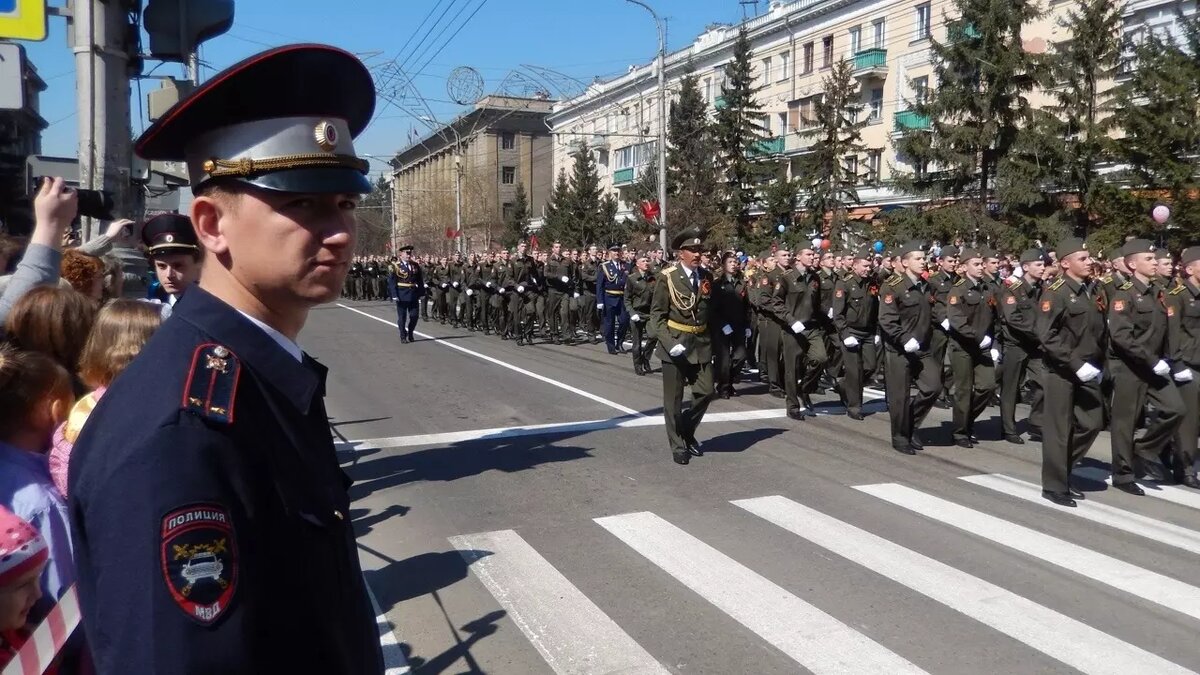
(170, 238)
(326, 135)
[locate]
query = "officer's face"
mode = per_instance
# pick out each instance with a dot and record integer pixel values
(592, 251)
(731, 265)
(827, 261)
(1142, 263)
(176, 271)
(949, 263)
(861, 267)
(991, 265)
(1193, 270)
(783, 258)
(556, 248)
(1166, 267)
(612, 255)
(689, 257)
(805, 257)
(973, 267)
(18, 598)
(520, 250)
(1035, 270)
(914, 262)
(1078, 265)
(643, 264)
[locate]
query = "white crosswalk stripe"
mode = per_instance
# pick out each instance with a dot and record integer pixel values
(1169, 493)
(571, 633)
(1107, 570)
(1074, 643)
(815, 639)
(1126, 521)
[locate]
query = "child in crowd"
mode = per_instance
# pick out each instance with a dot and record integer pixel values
(23, 556)
(120, 331)
(56, 322)
(35, 395)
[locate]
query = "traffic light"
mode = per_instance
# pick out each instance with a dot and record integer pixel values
(176, 27)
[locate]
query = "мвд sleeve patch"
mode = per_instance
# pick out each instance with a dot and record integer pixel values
(199, 560)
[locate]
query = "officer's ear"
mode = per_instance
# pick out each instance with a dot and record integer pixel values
(210, 213)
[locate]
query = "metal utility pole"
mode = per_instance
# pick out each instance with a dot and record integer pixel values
(458, 171)
(102, 102)
(662, 124)
(193, 67)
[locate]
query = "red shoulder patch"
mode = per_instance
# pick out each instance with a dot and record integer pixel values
(887, 299)
(1010, 300)
(953, 300)
(200, 560)
(1046, 305)
(1170, 310)
(838, 293)
(1118, 305)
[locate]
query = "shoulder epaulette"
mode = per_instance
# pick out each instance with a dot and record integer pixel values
(960, 282)
(1177, 290)
(894, 280)
(1015, 283)
(1107, 279)
(1058, 283)
(1127, 285)
(212, 383)
(667, 270)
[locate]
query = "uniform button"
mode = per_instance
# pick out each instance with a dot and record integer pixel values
(339, 514)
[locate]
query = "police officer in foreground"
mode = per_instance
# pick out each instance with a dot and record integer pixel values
(409, 288)
(1071, 327)
(905, 314)
(680, 319)
(234, 551)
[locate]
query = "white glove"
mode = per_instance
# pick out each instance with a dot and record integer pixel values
(520, 289)
(599, 305)
(985, 342)
(1087, 372)
(575, 296)
(470, 292)
(488, 284)
(798, 327)
(877, 338)
(727, 329)
(677, 350)
(636, 317)
(456, 284)
(566, 280)
(851, 342)
(946, 325)
(1162, 368)
(749, 332)
(445, 285)
(830, 312)
(1184, 375)
(995, 357)
(502, 290)
(912, 345)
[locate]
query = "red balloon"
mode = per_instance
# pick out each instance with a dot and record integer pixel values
(825, 244)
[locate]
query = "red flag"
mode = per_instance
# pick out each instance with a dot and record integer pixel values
(533, 243)
(650, 210)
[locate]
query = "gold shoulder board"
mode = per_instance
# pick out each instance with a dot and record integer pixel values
(1058, 284)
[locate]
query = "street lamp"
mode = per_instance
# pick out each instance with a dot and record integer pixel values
(458, 171)
(662, 123)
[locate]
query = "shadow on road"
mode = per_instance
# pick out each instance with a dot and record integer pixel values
(739, 441)
(476, 630)
(365, 521)
(419, 575)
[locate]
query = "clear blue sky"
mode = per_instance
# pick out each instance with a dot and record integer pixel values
(580, 38)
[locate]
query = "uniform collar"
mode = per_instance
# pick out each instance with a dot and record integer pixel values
(1192, 288)
(1140, 287)
(1075, 286)
(300, 381)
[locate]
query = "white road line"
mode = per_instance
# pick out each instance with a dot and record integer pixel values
(1127, 521)
(1118, 574)
(623, 422)
(571, 633)
(394, 662)
(1056, 635)
(815, 639)
(498, 362)
(1168, 493)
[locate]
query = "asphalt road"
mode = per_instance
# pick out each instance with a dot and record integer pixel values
(518, 512)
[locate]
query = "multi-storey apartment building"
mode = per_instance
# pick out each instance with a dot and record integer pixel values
(478, 159)
(794, 47)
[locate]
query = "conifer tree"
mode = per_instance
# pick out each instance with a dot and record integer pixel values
(693, 178)
(518, 221)
(831, 172)
(558, 223)
(739, 127)
(583, 201)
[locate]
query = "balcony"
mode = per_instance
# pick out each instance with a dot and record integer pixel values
(719, 102)
(599, 141)
(907, 120)
(767, 146)
(797, 143)
(957, 31)
(624, 176)
(871, 64)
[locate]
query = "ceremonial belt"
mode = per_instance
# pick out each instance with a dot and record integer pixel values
(687, 327)
(401, 284)
(614, 292)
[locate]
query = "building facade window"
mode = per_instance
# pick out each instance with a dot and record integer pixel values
(785, 66)
(783, 123)
(920, 87)
(827, 51)
(874, 166)
(851, 165)
(507, 141)
(766, 70)
(808, 58)
(808, 111)
(708, 90)
(878, 33)
(876, 106)
(508, 210)
(855, 40)
(634, 155)
(924, 17)
(508, 175)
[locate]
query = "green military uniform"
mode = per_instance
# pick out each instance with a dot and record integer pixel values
(560, 274)
(1071, 328)
(905, 323)
(729, 340)
(681, 319)
(939, 340)
(1183, 315)
(856, 322)
(971, 310)
(1137, 322)
(827, 279)
(493, 285)
(769, 332)
(589, 317)
(793, 303)
(639, 293)
(1018, 303)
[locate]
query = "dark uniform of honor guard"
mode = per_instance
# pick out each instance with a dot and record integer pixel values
(1137, 324)
(680, 319)
(905, 323)
(793, 303)
(559, 273)
(856, 320)
(974, 351)
(236, 541)
(610, 292)
(1018, 302)
(729, 340)
(410, 288)
(639, 292)
(1183, 311)
(941, 283)
(1071, 327)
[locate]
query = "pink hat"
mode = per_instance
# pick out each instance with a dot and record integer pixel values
(21, 547)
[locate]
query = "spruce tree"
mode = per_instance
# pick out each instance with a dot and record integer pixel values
(779, 208)
(557, 223)
(693, 178)
(833, 169)
(962, 130)
(739, 128)
(584, 197)
(518, 221)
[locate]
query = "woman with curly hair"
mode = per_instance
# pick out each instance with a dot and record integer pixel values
(84, 272)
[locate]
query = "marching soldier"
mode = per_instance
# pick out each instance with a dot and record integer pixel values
(827, 278)
(517, 283)
(1183, 310)
(559, 274)
(356, 279)
(793, 303)
(589, 269)
(680, 317)
(442, 286)
(974, 353)
(408, 290)
(729, 341)
(1137, 320)
(941, 284)
(1071, 328)
(610, 295)
(856, 320)
(1022, 350)
(639, 292)
(768, 330)
(905, 321)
